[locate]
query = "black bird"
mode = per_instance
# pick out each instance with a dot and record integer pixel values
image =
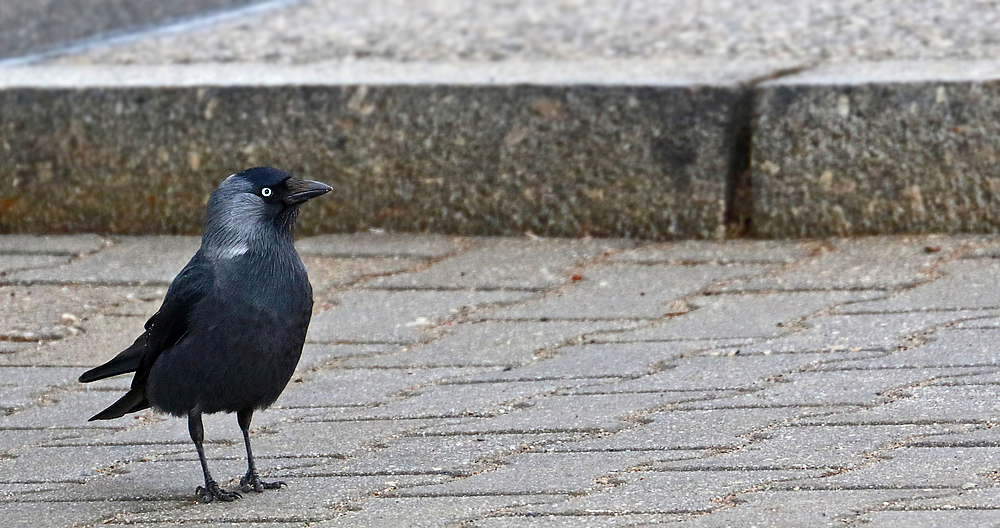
(231, 328)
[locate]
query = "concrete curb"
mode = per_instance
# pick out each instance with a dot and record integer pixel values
(600, 148)
(898, 147)
(645, 149)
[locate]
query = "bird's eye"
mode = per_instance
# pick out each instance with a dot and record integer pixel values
(265, 192)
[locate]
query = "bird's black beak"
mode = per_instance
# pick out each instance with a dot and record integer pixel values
(302, 190)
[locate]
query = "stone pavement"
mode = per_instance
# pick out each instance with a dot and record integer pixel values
(521, 382)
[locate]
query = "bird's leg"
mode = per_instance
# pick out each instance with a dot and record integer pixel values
(251, 481)
(211, 491)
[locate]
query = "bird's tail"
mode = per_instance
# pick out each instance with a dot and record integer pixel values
(125, 362)
(133, 400)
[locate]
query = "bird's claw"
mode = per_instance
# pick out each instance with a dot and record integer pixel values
(212, 492)
(251, 482)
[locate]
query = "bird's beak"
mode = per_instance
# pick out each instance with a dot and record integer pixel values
(302, 190)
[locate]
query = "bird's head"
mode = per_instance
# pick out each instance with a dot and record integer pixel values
(257, 203)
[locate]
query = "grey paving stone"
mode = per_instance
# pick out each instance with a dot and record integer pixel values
(739, 316)
(877, 331)
(461, 455)
(276, 434)
(960, 347)
(861, 263)
(314, 448)
(794, 509)
(618, 291)
(571, 412)
(331, 272)
(599, 360)
(966, 284)
(544, 473)
(13, 440)
(69, 410)
(855, 387)
(693, 430)
(129, 261)
(985, 499)
(315, 356)
(478, 399)
(395, 316)
(358, 387)
(575, 521)
(304, 500)
(75, 464)
(726, 372)
(380, 245)
(420, 512)
(70, 245)
(821, 448)
(492, 343)
(917, 468)
(730, 251)
(923, 405)
(65, 513)
(46, 313)
(529, 264)
(929, 519)
(14, 263)
(675, 492)
(102, 338)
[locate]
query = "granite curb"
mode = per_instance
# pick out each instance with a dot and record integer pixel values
(648, 149)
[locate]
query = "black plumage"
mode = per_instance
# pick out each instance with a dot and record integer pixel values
(231, 328)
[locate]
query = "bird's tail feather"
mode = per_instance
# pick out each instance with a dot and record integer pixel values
(133, 400)
(125, 362)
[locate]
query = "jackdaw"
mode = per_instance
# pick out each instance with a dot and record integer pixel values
(231, 328)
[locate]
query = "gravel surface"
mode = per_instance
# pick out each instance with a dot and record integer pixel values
(426, 30)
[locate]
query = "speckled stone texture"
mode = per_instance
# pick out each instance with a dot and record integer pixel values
(884, 148)
(559, 160)
(38, 25)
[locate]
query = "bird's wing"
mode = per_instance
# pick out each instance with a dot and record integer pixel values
(163, 329)
(169, 325)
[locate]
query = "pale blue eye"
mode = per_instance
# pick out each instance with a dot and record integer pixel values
(265, 192)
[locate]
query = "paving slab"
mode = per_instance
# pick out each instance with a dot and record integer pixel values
(593, 413)
(397, 317)
(788, 509)
(380, 245)
(959, 347)
(759, 316)
(677, 492)
(605, 360)
(128, 261)
(694, 430)
(863, 331)
(428, 511)
(360, 387)
(69, 245)
(528, 264)
(531, 473)
(859, 264)
(492, 344)
(966, 285)
(617, 291)
(728, 252)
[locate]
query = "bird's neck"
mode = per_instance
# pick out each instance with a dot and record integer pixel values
(228, 236)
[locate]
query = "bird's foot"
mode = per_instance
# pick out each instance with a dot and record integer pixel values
(251, 482)
(212, 492)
